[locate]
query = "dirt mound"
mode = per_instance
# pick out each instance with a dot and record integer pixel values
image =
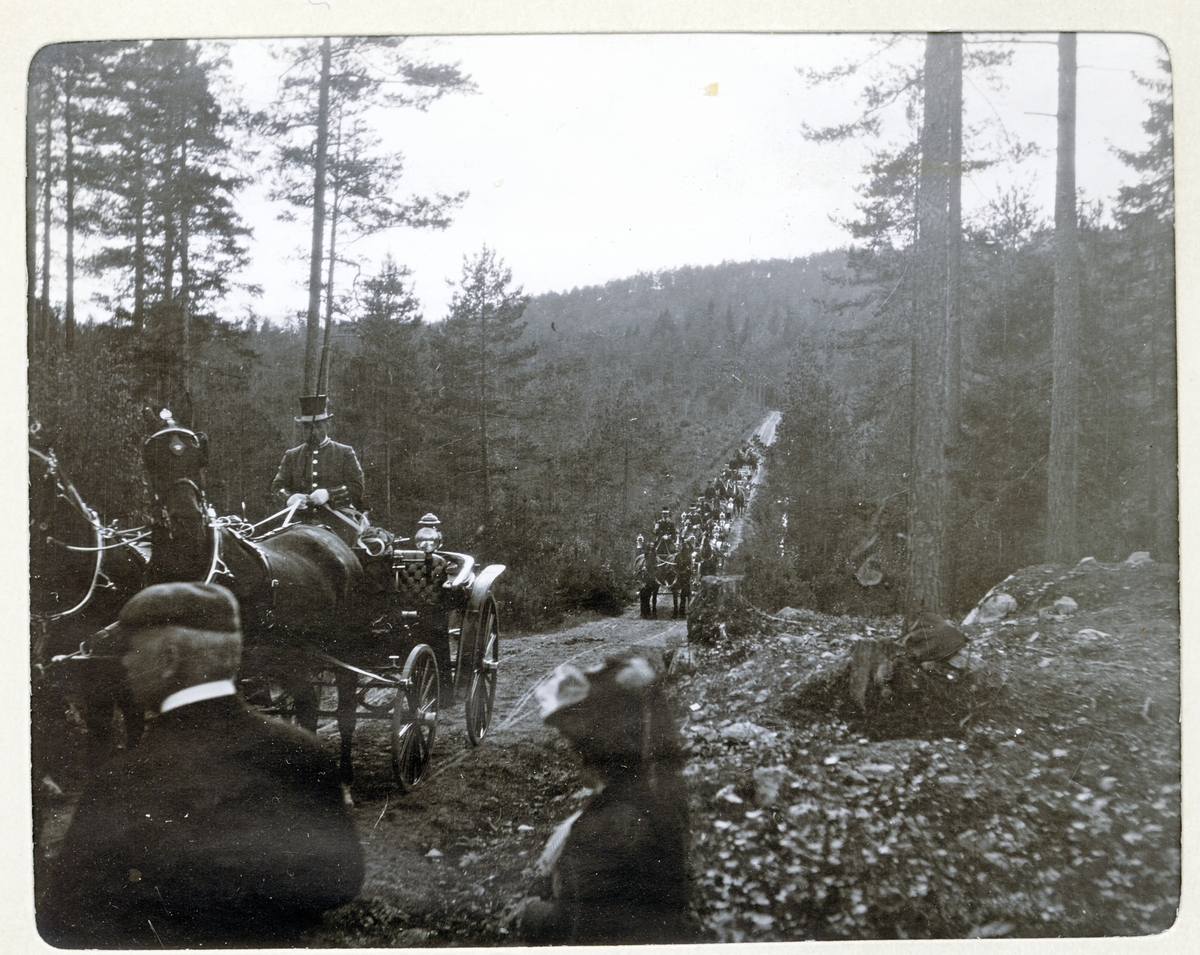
(1038, 797)
(1090, 583)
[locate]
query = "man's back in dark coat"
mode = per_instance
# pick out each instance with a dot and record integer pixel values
(222, 826)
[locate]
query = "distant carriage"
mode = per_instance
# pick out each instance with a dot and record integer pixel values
(667, 565)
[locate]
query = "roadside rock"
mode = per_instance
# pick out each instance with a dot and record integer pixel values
(768, 780)
(995, 606)
(1065, 606)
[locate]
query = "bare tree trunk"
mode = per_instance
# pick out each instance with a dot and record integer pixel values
(185, 273)
(323, 374)
(139, 239)
(69, 168)
(170, 227)
(31, 205)
(927, 473)
(47, 217)
(1062, 493)
(954, 299)
(483, 434)
(954, 280)
(313, 330)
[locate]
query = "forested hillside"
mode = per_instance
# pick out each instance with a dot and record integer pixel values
(547, 431)
(848, 463)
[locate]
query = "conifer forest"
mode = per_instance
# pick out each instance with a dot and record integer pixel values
(960, 395)
(771, 486)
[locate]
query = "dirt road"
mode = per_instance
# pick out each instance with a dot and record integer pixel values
(443, 862)
(766, 431)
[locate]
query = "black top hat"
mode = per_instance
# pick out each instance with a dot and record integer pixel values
(312, 408)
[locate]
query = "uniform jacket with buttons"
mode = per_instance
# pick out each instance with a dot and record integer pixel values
(331, 465)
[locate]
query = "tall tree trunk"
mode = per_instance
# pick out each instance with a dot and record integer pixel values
(1062, 493)
(483, 432)
(69, 168)
(185, 272)
(44, 317)
(139, 238)
(170, 236)
(33, 94)
(954, 299)
(312, 337)
(927, 473)
(954, 281)
(323, 373)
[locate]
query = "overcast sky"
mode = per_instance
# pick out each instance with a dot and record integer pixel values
(589, 158)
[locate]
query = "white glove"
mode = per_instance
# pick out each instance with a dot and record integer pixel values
(319, 496)
(297, 500)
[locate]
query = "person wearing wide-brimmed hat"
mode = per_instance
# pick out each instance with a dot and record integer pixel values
(616, 871)
(318, 465)
(223, 827)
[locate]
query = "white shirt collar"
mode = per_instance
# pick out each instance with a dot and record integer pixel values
(194, 694)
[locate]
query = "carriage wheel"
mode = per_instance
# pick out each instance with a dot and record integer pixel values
(414, 718)
(482, 695)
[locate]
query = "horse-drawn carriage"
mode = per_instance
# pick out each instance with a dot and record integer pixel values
(398, 633)
(432, 639)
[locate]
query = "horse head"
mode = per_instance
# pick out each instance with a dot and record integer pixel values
(174, 457)
(64, 539)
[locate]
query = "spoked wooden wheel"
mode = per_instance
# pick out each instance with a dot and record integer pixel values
(414, 718)
(481, 696)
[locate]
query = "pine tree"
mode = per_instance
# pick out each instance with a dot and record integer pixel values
(484, 363)
(1146, 213)
(385, 388)
(323, 146)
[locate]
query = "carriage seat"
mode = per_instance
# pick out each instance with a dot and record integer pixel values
(418, 582)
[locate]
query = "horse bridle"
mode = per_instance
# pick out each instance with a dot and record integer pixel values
(67, 492)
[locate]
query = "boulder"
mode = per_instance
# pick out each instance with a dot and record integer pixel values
(1139, 558)
(930, 638)
(993, 607)
(1065, 606)
(768, 780)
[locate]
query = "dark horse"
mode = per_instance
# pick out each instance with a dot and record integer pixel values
(296, 588)
(681, 592)
(81, 572)
(665, 573)
(644, 572)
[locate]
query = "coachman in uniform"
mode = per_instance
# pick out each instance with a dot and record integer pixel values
(319, 463)
(322, 472)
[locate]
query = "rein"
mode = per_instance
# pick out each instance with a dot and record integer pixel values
(128, 539)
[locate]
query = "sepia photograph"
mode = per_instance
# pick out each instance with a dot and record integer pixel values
(522, 489)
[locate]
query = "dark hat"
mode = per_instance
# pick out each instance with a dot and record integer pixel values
(195, 606)
(611, 711)
(313, 408)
